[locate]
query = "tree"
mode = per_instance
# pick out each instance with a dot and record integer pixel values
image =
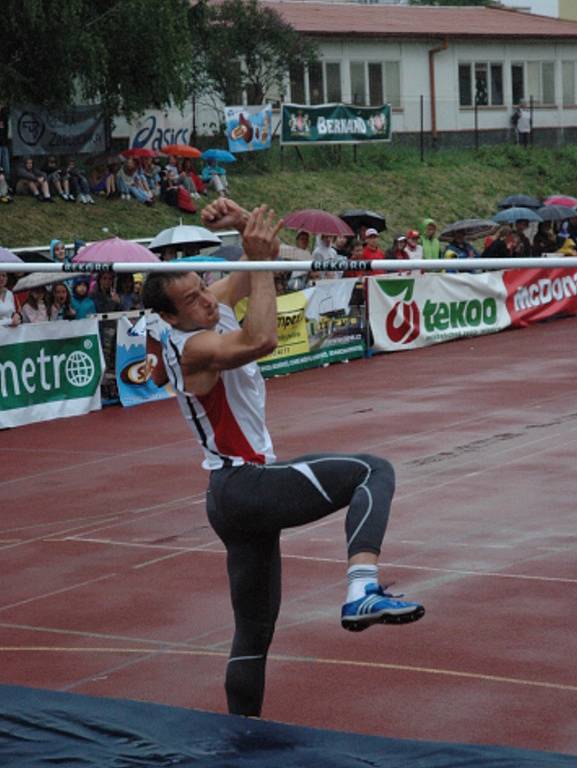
(128, 55)
(242, 46)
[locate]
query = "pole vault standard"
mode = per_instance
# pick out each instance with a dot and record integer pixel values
(339, 265)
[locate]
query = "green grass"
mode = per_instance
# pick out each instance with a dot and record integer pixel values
(449, 185)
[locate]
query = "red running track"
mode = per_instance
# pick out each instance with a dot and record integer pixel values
(113, 584)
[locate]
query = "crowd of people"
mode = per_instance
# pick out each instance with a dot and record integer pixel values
(146, 179)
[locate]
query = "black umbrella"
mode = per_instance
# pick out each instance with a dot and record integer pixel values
(556, 212)
(228, 252)
(358, 217)
(471, 228)
(519, 201)
(31, 257)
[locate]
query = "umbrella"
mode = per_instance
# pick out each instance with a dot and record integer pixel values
(138, 152)
(220, 155)
(357, 218)
(7, 256)
(36, 279)
(509, 215)
(472, 228)
(181, 150)
(114, 249)
(519, 201)
(556, 212)
(567, 200)
(317, 222)
(184, 234)
(32, 257)
(228, 252)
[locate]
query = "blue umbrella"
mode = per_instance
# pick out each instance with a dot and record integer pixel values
(220, 155)
(519, 201)
(510, 215)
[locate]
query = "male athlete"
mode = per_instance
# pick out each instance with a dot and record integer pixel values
(251, 498)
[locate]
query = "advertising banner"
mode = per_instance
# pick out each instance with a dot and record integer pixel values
(412, 312)
(134, 366)
(75, 130)
(334, 124)
(155, 129)
(49, 370)
(537, 294)
(318, 326)
(248, 129)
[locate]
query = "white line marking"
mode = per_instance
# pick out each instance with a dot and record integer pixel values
(71, 588)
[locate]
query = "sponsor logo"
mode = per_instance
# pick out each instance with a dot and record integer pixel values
(545, 291)
(451, 315)
(41, 371)
(403, 322)
(30, 128)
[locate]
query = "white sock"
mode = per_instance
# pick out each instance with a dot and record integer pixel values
(358, 577)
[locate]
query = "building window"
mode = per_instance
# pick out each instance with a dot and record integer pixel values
(358, 87)
(297, 84)
(480, 83)
(383, 79)
(518, 83)
(333, 80)
(313, 81)
(568, 71)
(540, 82)
(316, 84)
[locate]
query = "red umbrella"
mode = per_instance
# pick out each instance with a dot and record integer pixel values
(114, 249)
(570, 202)
(138, 152)
(181, 150)
(317, 222)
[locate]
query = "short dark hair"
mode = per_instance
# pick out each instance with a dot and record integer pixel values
(154, 293)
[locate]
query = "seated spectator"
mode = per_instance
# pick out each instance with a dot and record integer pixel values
(5, 196)
(35, 308)
(104, 296)
(214, 177)
(9, 314)
(79, 185)
(429, 240)
(132, 184)
(459, 248)
(151, 173)
(61, 303)
(303, 239)
(32, 181)
(414, 248)
(82, 304)
(58, 181)
(191, 179)
(501, 245)
(103, 180)
(125, 290)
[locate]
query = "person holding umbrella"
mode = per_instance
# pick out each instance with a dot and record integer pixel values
(214, 177)
(459, 248)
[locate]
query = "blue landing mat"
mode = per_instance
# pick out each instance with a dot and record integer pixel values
(42, 729)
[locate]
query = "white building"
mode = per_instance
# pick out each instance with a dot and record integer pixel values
(558, 9)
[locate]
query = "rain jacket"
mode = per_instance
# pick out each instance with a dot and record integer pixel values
(431, 246)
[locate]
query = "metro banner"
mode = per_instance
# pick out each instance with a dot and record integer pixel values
(408, 312)
(49, 370)
(334, 124)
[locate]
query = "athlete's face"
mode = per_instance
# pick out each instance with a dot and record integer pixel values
(196, 306)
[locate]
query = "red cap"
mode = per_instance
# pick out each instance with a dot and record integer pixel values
(412, 234)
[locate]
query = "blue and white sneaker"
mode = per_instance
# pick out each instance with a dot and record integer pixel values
(378, 607)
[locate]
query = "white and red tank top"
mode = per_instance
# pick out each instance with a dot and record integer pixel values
(229, 421)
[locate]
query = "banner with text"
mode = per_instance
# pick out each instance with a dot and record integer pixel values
(334, 124)
(248, 129)
(49, 370)
(75, 130)
(155, 129)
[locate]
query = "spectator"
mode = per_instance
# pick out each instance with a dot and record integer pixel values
(414, 248)
(35, 308)
(61, 303)
(125, 289)
(82, 304)
(104, 296)
(459, 248)
(500, 247)
(526, 249)
(79, 185)
(103, 179)
(58, 251)
(398, 250)
(132, 184)
(5, 196)
(521, 119)
(58, 181)
(429, 240)
(151, 175)
(303, 239)
(214, 176)
(9, 314)
(568, 231)
(356, 254)
(191, 179)
(343, 246)
(32, 181)
(372, 250)
(4, 153)
(138, 283)
(544, 240)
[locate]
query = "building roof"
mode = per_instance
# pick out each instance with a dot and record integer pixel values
(325, 19)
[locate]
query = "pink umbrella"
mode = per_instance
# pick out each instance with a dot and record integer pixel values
(7, 256)
(570, 202)
(114, 249)
(317, 222)
(138, 152)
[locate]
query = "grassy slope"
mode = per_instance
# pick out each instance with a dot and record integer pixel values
(447, 186)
